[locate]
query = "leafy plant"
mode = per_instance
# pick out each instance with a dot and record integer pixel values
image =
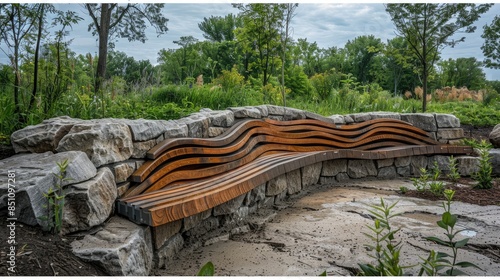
(437, 261)
(55, 200)
(207, 270)
(483, 176)
(436, 187)
(454, 175)
(421, 182)
(403, 189)
(386, 250)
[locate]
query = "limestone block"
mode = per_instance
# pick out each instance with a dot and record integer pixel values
(385, 162)
(423, 121)
(162, 233)
(264, 110)
(447, 121)
(246, 112)
(327, 180)
(224, 118)
(276, 185)
(361, 117)
(256, 194)
(143, 130)
(385, 115)
(122, 248)
(203, 227)
(467, 165)
(294, 114)
(495, 161)
(402, 161)
(348, 119)
(294, 181)
(334, 167)
(443, 163)
(418, 162)
(450, 133)
(34, 175)
(360, 168)
(168, 251)
(141, 148)
(192, 221)
(342, 177)
(89, 203)
(495, 136)
(318, 117)
(275, 110)
(387, 172)
(103, 142)
(337, 119)
(215, 131)
(311, 174)
(197, 126)
(229, 207)
(403, 170)
(122, 188)
(176, 129)
(123, 170)
(42, 137)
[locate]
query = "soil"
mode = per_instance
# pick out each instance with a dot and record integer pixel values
(44, 254)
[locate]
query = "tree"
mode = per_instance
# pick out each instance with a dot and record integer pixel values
(186, 43)
(288, 14)
(462, 72)
(491, 46)
(219, 29)
(398, 59)
(361, 52)
(129, 21)
(428, 28)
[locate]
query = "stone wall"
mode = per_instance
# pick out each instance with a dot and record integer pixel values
(104, 153)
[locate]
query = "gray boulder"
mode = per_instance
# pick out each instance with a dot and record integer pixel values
(311, 174)
(426, 122)
(34, 175)
(122, 248)
(103, 141)
(495, 136)
(143, 130)
(89, 203)
(361, 168)
(276, 185)
(447, 121)
(246, 112)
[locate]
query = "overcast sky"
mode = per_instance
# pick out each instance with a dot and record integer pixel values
(329, 24)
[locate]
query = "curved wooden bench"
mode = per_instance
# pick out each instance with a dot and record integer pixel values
(186, 176)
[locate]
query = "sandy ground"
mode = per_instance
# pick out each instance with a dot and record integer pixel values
(322, 230)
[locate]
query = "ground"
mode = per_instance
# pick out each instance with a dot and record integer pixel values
(44, 254)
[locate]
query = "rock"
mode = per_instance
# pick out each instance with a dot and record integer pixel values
(276, 185)
(418, 162)
(215, 131)
(342, 177)
(123, 170)
(122, 188)
(494, 136)
(337, 119)
(162, 233)
(264, 110)
(224, 118)
(311, 174)
(361, 117)
(467, 165)
(168, 251)
(294, 114)
(229, 207)
(327, 180)
(450, 133)
(360, 168)
(203, 227)
(334, 167)
(443, 163)
(89, 203)
(246, 112)
(256, 194)
(447, 121)
(423, 121)
(192, 221)
(141, 148)
(402, 161)
(197, 126)
(348, 119)
(143, 130)
(176, 129)
(34, 175)
(103, 142)
(403, 170)
(275, 110)
(495, 161)
(318, 117)
(43, 137)
(122, 248)
(385, 115)
(385, 162)
(387, 172)
(293, 181)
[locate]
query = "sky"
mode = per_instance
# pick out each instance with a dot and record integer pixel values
(327, 23)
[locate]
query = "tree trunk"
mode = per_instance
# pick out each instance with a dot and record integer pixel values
(37, 51)
(424, 84)
(103, 46)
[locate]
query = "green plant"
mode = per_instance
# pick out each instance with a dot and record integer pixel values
(438, 260)
(207, 270)
(454, 175)
(436, 187)
(55, 199)
(403, 189)
(421, 182)
(483, 175)
(386, 249)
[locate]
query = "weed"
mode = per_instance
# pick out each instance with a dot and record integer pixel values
(436, 187)
(421, 182)
(483, 176)
(403, 189)
(454, 175)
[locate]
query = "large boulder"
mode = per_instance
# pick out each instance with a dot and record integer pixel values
(103, 141)
(43, 137)
(495, 136)
(122, 248)
(89, 203)
(34, 175)
(447, 121)
(143, 130)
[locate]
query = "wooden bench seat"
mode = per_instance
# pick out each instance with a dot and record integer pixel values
(186, 176)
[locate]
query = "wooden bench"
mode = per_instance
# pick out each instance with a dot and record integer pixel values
(186, 176)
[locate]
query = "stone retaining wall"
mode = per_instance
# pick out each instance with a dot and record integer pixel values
(104, 153)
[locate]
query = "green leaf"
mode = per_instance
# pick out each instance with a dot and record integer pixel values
(456, 272)
(442, 225)
(461, 243)
(467, 264)
(207, 270)
(438, 241)
(323, 274)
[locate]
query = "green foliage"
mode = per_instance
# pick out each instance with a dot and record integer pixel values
(386, 249)
(230, 80)
(436, 187)
(55, 200)
(454, 175)
(298, 83)
(436, 261)
(207, 270)
(491, 50)
(420, 183)
(403, 189)
(483, 175)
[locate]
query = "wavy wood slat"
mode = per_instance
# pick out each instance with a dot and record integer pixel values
(186, 176)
